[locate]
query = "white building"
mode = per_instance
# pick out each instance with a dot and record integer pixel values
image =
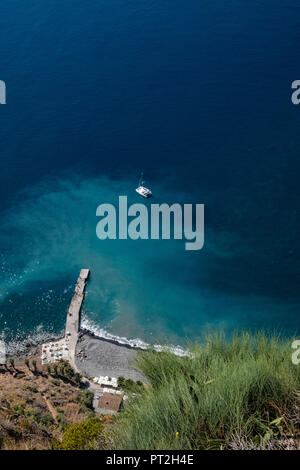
(106, 381)
(2, 352)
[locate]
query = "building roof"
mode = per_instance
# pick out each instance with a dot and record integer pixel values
(110, 401)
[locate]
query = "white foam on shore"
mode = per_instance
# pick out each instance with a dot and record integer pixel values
(136, 343)
(36, 338)
(40, 336)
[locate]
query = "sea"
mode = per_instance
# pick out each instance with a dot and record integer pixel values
(195, 94)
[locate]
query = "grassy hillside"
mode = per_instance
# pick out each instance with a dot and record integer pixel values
(239, 394)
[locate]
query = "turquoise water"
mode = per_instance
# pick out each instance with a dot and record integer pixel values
(199, 98)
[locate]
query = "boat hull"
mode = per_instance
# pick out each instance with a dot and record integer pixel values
(144, 192)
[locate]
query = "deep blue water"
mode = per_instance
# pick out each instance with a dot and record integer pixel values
(197, 94)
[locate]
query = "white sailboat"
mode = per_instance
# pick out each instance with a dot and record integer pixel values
(142, 190)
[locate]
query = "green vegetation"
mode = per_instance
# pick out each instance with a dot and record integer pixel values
(60, 418)
(30, 389)
(80, 436)
(78, 378)
(237, 394)
(129, 385)
(121, 381)
(246, 390)
(63, 370)
(44, 419)
(19, 408)
(34, 366)
(85, 398)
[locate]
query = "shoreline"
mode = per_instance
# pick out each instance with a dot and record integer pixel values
(75, 329)
(95, 355)
(24, 346)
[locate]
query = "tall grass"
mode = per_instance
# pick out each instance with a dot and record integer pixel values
(246, 386)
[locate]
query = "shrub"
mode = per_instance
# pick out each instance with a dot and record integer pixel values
(24, 424)
(61, 420)
(46, 420)
(81, 436)
(121, 381)
(19, 408)
(30, 389)
(77, 378)
(130, 386)
(85, 398)
(33, 415)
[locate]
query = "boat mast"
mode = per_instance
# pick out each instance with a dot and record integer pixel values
(141, 182)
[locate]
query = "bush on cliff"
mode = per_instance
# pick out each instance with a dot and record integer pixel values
(80, 436)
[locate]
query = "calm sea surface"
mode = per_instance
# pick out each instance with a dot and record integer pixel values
(197, 94)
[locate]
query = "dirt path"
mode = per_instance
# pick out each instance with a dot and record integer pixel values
(51, 408)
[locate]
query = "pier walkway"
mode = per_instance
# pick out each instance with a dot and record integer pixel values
(65, 349)
(73, 315)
